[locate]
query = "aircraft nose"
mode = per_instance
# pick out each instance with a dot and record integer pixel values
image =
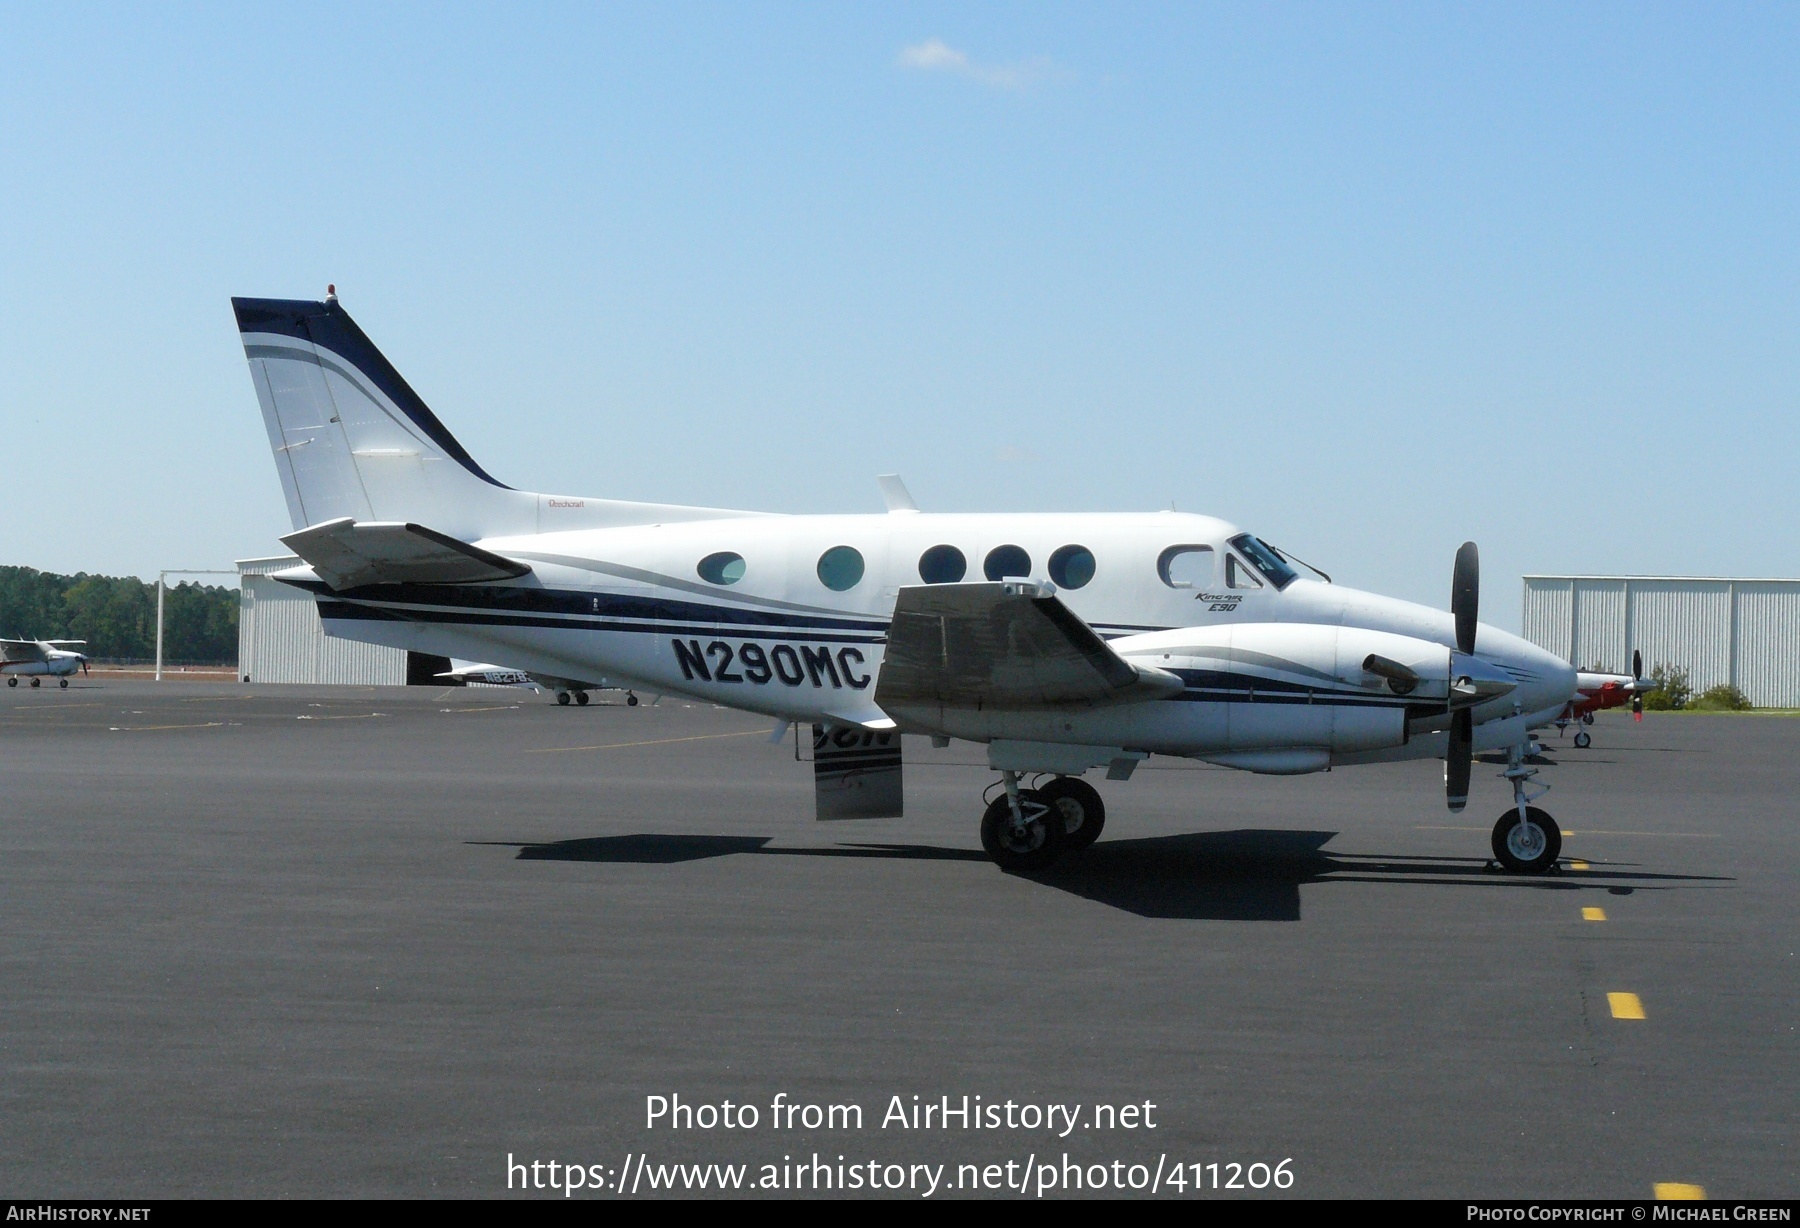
(1545, 680)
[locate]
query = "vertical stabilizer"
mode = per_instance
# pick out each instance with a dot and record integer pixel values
(353, 440)
(350, 436)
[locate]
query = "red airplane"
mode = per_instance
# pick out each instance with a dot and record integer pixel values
(1594, 692)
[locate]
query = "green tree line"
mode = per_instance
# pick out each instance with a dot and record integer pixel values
(116, 615)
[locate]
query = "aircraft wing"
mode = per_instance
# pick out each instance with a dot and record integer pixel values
(348, 554)
(20, 651)
(1009, 645)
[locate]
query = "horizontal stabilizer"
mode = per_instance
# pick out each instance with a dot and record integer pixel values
(348, 554)
(1009, 645)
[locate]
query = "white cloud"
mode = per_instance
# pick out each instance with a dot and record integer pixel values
(935, 55)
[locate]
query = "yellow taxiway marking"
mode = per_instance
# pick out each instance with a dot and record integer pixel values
(1578, 865)
(484, 708)
(1593, 914)
(1625, 1006)
(702, 737)
(360, 716)
(1671, 1190)
(142, 728)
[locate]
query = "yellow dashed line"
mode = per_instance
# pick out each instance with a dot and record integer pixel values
(1578, 865)
(1593, 914)
(1671, 1190)
(1625, 1006)
(704, 737)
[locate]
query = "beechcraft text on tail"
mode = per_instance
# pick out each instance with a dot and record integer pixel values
(1064, 643)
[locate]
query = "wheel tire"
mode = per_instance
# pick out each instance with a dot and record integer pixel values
(1583, 740)
(63, 683)
(581, 698)
(562, 698)
(1526, 859)
(1042, 841)
(631, 701)
(1084, 814)
(12, 682)
(35, 681)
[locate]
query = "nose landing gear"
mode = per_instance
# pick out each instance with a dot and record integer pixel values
(1526, 840)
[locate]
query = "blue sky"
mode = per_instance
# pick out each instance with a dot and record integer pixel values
(1369, 279)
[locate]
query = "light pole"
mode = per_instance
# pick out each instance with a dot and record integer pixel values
(162, 583)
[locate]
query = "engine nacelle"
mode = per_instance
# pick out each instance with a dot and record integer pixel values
(1282, 687)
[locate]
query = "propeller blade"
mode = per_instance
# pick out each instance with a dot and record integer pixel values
(1637, 665)
(1457, 759)
(1465, 596)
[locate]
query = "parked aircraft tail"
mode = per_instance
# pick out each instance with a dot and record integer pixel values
(352, 439)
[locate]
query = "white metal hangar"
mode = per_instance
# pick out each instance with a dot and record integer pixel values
(1721, 630)
(280, 638)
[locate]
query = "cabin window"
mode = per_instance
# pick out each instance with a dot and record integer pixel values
(1239, 574)
(1186, 566)
(840, 568)
(942, 565)
(1003, 561)
(1072, 567)
(722, 568)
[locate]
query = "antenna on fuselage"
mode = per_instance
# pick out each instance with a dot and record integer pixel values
(895, 494)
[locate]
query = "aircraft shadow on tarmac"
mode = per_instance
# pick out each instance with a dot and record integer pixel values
(1243, 875)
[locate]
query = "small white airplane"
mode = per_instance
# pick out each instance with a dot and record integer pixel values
(496, 675)
(1079, 641)
(40, 659)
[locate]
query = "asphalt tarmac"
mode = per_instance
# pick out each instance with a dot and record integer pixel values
(294, 941)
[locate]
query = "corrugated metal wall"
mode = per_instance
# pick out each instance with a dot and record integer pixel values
(1742, 632)
(280, 638)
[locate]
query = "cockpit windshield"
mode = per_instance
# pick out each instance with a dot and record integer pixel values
(1266, 560)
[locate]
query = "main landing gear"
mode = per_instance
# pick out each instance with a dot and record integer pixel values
(581, 697)
(12, 682)
(1526, 840)
(1028, 829)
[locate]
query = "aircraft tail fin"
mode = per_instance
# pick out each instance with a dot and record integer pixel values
(352, 439)
(350, 436)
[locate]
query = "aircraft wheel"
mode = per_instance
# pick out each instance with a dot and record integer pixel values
(35, 681)
(562, 697)
(12, 682)
(630, 700)
(581, 698)
(1033, 846)
(1583, 739)
(63, 683)
(1084, 814)
(1530, 848)
(1587, 718)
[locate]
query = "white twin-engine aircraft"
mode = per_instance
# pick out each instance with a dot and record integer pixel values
(1062, 642)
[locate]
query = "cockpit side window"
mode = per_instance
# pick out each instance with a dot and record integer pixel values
(1239, 574)
(1265, 560)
